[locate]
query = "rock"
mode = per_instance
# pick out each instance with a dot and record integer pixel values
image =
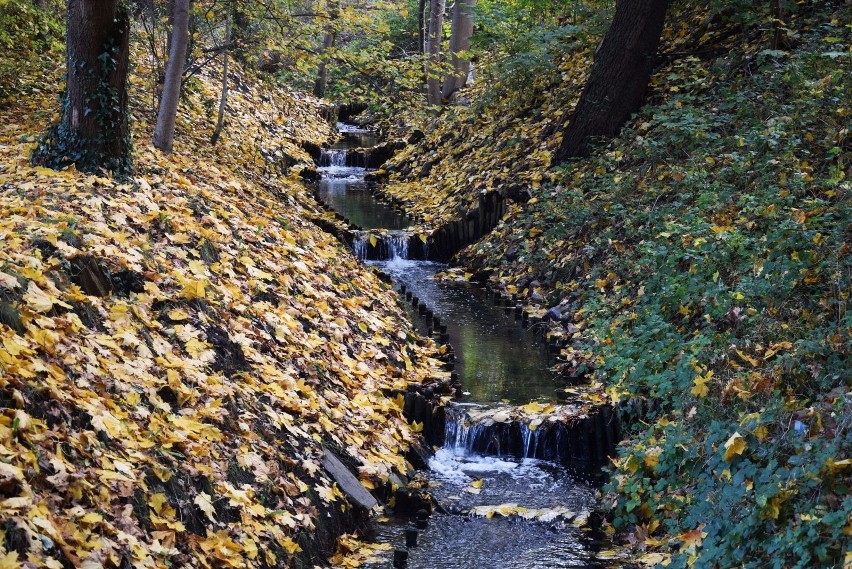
(89, 276)
(537, 297)
(418, 455)
(309, 174)
(416, 136)
(407, 501)
(426, 169)
(350, 485)
(552, 314)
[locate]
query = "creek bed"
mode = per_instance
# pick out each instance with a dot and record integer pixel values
(536, 507)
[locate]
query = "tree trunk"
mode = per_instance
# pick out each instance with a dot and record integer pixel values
(460, 35)
(93, 132)
(164, 133)
(778, 9)
(433, 77)
(223, 99)
(327, 43)
(240, 31)
(421, 26)
(322, 71)
(619, 75)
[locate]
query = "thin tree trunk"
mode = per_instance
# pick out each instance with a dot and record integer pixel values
(462, 30)
(779, 12)
(223, 99)
(93, 133)
(619, 76)
(433, 78)
(422, 5)
(164, 133)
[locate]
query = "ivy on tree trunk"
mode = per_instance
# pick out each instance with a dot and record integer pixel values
(93, 132)
(619, 76)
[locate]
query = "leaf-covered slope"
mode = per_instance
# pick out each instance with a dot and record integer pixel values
(179, 419)
(702, 259)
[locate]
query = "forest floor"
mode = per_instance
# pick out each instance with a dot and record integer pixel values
(701, 260)
(178, 348)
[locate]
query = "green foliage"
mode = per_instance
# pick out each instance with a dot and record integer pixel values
(27, 33)
(708, 259)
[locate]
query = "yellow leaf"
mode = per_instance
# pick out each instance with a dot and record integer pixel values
(363, 326)
(10, 561)
(373, 240)
(416, 427)
(699, 388)
(8, 281)
(533, 408)
(423, 237)
(652, 456)
(156, 502)
(753, 362)
(734, 446)
(202, 500)
(654, 559)
(750, 417)
(193, 290)
(476, 483)
(835, 466)
(92, 518)
(40, 301)
(178, 314)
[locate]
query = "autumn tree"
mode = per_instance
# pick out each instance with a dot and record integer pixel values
(93, 132)
(619, 76)
(164, 132)
(461, 31)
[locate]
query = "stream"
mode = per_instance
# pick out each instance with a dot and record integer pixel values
(504, 510)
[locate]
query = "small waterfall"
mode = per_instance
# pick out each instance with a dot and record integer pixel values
(530, 439)
(397, 243)
(460, 435)
(464, 435)
(359, 246)
(334, 158)
(393, 245)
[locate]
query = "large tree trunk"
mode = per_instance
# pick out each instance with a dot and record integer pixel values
(619, 76)
(93, 132)
(460, 35)
(433, 77)
(164, 133)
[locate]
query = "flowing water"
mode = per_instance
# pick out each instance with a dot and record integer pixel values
(526, 513)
